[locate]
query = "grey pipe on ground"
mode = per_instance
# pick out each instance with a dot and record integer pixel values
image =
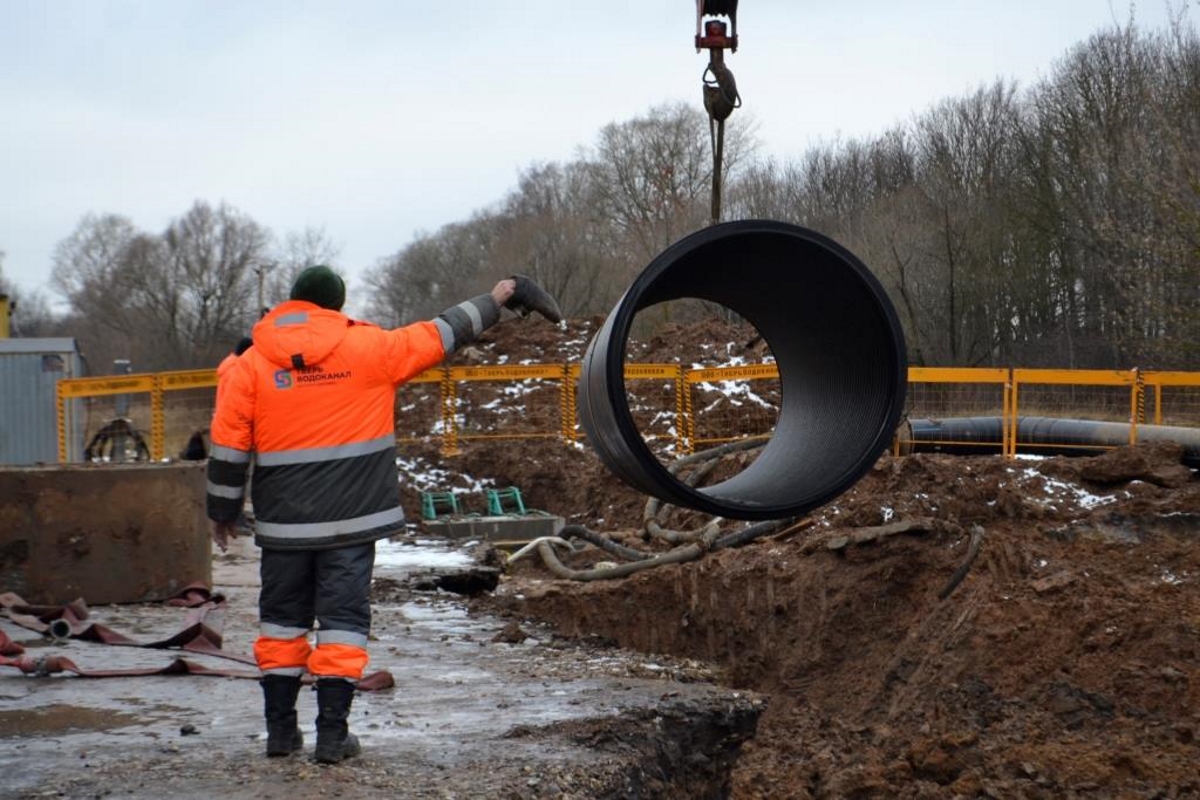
(1040, 436)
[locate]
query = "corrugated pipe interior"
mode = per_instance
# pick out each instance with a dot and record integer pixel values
(837, 343)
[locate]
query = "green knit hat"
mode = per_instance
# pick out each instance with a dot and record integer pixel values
(320, 285)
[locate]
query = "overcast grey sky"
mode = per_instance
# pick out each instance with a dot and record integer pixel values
(379, 120)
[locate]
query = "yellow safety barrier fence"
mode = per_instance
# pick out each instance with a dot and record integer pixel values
(969, 390)
(155, 385)
(678, 408)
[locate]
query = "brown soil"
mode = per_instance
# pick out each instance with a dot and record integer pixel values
(1064, 664)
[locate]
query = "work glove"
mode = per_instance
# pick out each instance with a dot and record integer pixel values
(529, 297)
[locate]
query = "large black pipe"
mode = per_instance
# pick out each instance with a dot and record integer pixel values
(1047, 436)
(838, 346)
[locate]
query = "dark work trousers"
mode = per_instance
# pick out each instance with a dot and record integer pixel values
(332, 587)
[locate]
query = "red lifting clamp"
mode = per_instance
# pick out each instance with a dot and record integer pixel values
(714, 36)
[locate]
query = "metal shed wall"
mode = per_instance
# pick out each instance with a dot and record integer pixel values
(29, 370)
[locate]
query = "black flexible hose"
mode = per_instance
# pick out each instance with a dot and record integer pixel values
(698, 542)
(603, 542)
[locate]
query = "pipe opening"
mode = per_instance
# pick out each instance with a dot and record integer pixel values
(721, 407)
(837, 345)
(59, 630)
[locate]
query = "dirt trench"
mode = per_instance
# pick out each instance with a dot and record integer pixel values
(1063, 665)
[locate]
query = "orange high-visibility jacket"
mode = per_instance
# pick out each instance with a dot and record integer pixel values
(222, 370)
(313, 404)
(226, 364)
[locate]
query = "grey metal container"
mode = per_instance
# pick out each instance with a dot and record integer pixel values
(29, 371)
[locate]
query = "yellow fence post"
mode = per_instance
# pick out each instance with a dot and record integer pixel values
(1016, 416)
(60, 407)
(1187, 381)
(1008, 422)
(683, 412)
(156, 420)
(568, 404)
(1137, 413)
(449, 425)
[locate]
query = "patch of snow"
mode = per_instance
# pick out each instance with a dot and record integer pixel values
(735, 392)
(422, 476)
(1080, 496)
(421, 554)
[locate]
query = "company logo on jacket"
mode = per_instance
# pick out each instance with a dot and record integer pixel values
(284, 378)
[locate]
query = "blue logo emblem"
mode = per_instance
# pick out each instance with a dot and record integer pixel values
(283, 379)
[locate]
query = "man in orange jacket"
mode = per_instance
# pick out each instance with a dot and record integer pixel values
(312, 405)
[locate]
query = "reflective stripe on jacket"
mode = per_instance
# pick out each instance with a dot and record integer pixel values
(313, 403)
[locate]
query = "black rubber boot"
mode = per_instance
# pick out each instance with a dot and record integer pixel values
(334, 739)
(279, 703)
(529, 297)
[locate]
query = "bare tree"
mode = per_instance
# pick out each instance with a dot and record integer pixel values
(964, 162)
(1112, 153)
(765, 190)
(88, 267)
(651, 176)
(546, 229)
(166, 302)
(299, 251)
(90, 255)
(29, 313)
(431, 273)
(204, 296)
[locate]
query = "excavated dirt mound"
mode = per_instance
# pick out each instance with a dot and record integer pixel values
(1063, 664)
(951, 627)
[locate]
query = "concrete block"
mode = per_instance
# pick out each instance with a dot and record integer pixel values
(112, 533)
(505, 528)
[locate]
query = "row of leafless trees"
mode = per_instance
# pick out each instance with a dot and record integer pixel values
(1059, 225)
(173, 300)
(584, 229)
(1054, 225)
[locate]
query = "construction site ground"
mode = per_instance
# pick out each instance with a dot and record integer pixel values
(953, 626)
(481, 707)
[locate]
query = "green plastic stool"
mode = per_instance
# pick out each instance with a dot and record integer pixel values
(497, 497)
(430, 501)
